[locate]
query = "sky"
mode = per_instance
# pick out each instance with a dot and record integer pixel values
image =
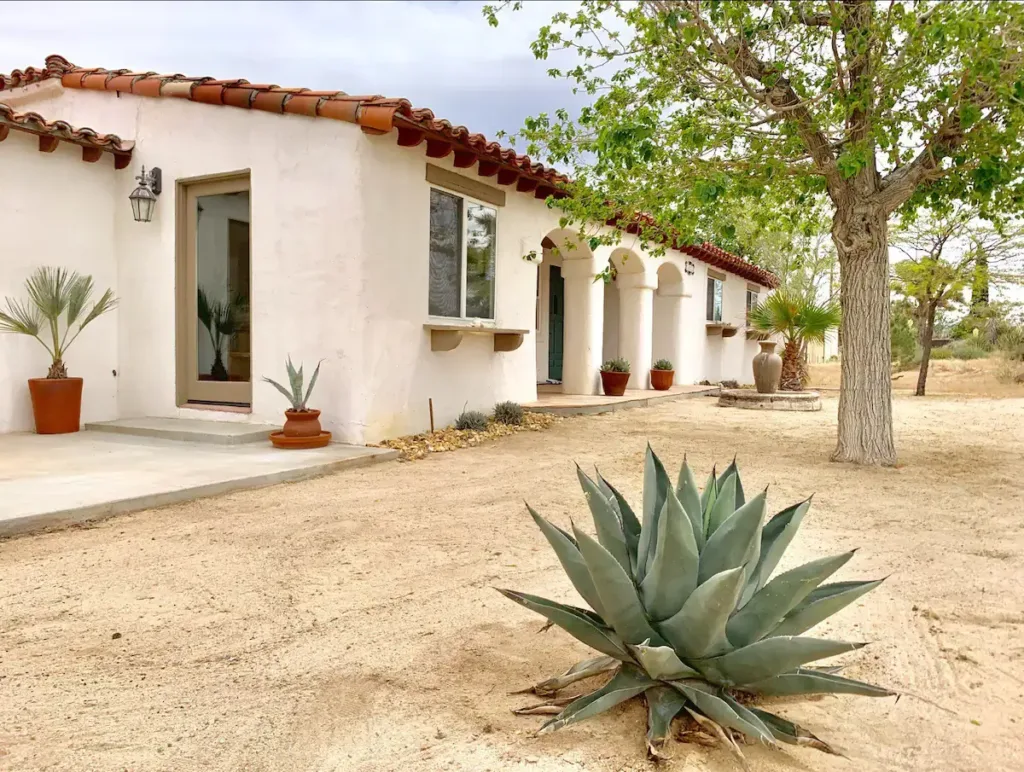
(441, 55)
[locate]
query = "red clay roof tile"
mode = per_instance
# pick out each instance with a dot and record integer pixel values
(50, 132)
(375, 114)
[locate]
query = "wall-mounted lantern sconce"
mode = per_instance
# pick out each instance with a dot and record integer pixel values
(689, 268)
(143, 198)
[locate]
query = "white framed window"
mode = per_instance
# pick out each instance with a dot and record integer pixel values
(714, 306)
(463, 240)
(751, 301)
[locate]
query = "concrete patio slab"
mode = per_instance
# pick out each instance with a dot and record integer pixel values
(56, 480)
(189, 430)
(549, 401)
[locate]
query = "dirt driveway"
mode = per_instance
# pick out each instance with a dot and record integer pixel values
(348, 623)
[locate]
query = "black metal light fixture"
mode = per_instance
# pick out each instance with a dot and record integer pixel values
(689, 268)
(143, 198)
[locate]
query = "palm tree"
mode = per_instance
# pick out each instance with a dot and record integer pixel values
(798, 320)
(52, 293)
(222, 319)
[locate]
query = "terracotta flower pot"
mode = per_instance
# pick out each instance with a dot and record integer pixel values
(56, 404)
(614, 384)
(661, 380)
(767, 368)
(301, 424)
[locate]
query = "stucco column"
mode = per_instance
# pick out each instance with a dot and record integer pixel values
(671, 299)
(584, 327)
(636, 317)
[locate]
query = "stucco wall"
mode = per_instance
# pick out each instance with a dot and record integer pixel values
(306, 246)
(340, 226)
(56, 210)
(399, 370)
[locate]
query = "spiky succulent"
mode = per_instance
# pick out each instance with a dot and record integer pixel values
(684, 612)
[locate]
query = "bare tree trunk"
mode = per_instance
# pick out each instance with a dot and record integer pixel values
(860, 232)
(791, 379)
(928, 330)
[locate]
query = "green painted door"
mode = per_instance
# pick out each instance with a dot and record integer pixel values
(556, 322)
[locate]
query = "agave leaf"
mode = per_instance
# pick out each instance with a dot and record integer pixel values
(627, 683)
(689, 497)
(312, 383)
(663, 705)
(736, 542)
(821, 604)
(662, 663)
(295, 381)
(745, 713)
(574, 621)
(572, 561)
(698, 630)
(707, 497)
(725, 503)
(811, 681)
(630, 524)
(769, 657)
(673, 573)
(734, 471)
(780, 596)
(775, 538)
(606, 520)
(791, 733)
(656, 485)
(281, 389)
(714, 707)
(617, 593)
(587, 668)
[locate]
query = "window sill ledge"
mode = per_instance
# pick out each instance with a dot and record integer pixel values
(445, 336)
(722, 328)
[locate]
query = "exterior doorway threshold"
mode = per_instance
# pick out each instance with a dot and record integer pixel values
(595, 404)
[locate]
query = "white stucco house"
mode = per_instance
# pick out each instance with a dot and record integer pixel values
(353, 229)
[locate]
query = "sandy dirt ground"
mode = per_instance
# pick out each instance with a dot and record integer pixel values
(349, 622)
(973, 377)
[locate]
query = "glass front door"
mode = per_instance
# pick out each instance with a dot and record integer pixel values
(215, 303)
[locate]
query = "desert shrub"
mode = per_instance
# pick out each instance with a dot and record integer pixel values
(1010, 371)
(1011, 343)
(617, 365)
(662, 364)
(941, 353)
(508, 413)
(968, 349)
(471, 419)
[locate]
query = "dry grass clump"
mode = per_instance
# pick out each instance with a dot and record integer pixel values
(416, 446)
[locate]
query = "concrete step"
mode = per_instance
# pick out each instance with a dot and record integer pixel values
(188, 430)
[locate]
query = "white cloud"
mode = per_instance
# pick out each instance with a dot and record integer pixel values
(441, 55)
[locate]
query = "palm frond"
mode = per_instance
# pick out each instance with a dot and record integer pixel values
(204, 310)
(78, 296)
(48, 290)
(794, 316)
(21, 318)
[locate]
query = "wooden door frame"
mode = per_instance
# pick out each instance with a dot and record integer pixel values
(186, 323)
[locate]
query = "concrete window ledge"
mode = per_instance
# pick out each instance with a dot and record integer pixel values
(445, 336)
(720, 328)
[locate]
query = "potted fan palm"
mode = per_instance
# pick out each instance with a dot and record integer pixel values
(662, 375)
(302, 425)
(222, 319)
(614, 377)
(798, 320)
(53, 294)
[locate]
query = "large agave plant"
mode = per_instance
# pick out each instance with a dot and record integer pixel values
(685, 611)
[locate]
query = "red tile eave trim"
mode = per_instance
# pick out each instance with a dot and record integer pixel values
(52, 132)
(374, 114)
